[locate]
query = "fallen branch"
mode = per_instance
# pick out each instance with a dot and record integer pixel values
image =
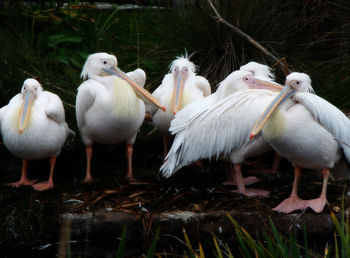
(219, 18)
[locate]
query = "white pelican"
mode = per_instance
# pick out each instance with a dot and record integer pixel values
(225, 88)
(264, 73)
(179, 87)
(308, 131)
(33, 127)
(108, 105)
(221, 126)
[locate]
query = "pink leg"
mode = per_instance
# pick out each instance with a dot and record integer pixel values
(198, 163)
(166, 146)
(88, 177)
(293, 202)
(24, 179)
(257, 162)
(276, 163)
(318, 204)
(148, 116)
(241, 187)
(231, 178)
(129, 151)
(49, 183)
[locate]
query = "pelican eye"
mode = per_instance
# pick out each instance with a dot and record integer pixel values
(24, 88)
(104, 62)
(297, 82)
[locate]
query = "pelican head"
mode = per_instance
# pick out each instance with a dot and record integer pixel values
(259, 71)
(103, 64)
(30, 91)
(295, 82)
(300, 82)
(181, 69)
(96, 63)
(239, 80)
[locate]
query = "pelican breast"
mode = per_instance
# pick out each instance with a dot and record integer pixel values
(126, 102)
(297, 136)
(43, 137)
(116, 112)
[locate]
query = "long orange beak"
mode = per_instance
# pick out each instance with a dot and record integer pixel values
(268, 85)
(179, 85)
(140, 92)
(24, 113)
(286, 93)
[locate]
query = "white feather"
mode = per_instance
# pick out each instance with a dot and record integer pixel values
(329, 117)
(220, 129)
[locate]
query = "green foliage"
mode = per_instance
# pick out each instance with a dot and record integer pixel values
(152, 249)
(121, 246)
(191, 252)
(275, 245)
(53, 43)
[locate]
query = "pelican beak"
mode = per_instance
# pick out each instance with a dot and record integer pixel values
(25, 110)
(267, 85)
(286, 93)
(179, 84)
(140, 92)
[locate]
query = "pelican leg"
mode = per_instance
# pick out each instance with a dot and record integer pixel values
(276, 163)
(129, 151)
(42, 186)
(88, 177)
(165, 145)
(318, 204)
(148, 116)
(24, 179)
(259, 164)
(241, 187)
(293, 202)
(231, 178)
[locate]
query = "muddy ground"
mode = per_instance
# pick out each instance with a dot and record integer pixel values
(31, 222)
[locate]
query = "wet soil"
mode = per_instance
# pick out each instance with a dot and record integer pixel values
(32, 222)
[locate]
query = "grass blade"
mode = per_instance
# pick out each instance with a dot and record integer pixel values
(188, 244)
(306, 247)
(121, 246)
(281, 246)
(336, 246)
(243, 247)
(218, 250)
(340, 230)
(201, 252)
(152, 249)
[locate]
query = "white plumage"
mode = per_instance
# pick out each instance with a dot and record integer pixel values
(219, 125)
(108, 105)
(311, 133)
(42, 136)
(169, 93)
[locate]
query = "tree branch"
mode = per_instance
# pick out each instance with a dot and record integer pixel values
(220, 19)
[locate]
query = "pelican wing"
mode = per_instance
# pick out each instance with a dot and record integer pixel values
(2, 113)
(85, 99)
(3, 110)
(330, 117)
(139, 76)
(190, 112)
(54, 109)
(215, 130)
(203, 84)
